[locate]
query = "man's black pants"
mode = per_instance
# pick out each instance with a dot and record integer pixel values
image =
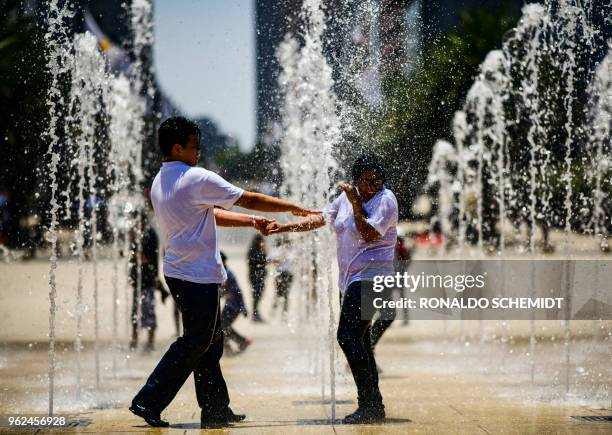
(356, 343)
(198, 350)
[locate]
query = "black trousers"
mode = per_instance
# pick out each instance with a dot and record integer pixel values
(385, 317)
(198, 350)
(356, 343)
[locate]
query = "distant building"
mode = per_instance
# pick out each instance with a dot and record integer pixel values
(273, 19)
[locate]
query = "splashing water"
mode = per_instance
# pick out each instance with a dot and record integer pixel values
(440, 173)
(88, 96)
(142, 29)
(98, 108)
(58, 64)
(513, 104)
(601, 129)
(312, 128)
(125, 136)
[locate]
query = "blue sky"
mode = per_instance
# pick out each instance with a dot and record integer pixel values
(205, 61)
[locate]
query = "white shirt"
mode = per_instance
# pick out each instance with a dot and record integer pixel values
(183, 199)
(359, 260)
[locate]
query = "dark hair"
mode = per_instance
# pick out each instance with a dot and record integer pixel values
(175, 130)
(367, 162)
(223, 256)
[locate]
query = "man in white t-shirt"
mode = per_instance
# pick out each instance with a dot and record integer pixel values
(189, 202)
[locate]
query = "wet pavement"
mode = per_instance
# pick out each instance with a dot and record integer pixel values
(429, 386)
(453, 377)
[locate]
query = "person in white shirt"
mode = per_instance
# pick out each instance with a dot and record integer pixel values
(364, 218)
(189, 202)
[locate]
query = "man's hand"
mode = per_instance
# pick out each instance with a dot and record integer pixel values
(273, 227)
(261, 224)
(351, 193)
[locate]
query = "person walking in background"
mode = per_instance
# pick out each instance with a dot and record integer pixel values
(234, 306)
(258, 260)
(145, 307)
(280, 256)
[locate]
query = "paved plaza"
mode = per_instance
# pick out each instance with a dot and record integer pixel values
(436, 377)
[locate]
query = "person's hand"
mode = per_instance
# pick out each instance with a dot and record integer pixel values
(351, 192)
(261, 223)
(273, 227)
(302, 211)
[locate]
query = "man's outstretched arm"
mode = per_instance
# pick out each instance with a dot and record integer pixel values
(261, 202)
(225, 218)
(308, 224)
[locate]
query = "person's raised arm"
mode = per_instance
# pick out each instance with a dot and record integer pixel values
(367, 231)
(261, 202)
(225, 218)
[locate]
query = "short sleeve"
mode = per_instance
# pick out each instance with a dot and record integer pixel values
(384, 216)
(331, 210)
(215, 190)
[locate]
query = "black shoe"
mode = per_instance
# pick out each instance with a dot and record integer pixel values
(220, 419)
(213, 423)
(152, 418)
(366, 415)
(233, 418)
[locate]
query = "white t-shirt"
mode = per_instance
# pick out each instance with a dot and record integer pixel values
(359, 260)
(183, 198)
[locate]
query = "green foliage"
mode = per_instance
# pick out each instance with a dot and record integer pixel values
(259, 164)
(232, 162)
(564, 65)
(23, 85)
(419, 108)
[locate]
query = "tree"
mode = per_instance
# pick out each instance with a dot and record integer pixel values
(23, 86)
(419, 108)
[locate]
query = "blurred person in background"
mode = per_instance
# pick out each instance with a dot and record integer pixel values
(257, 258)
(143, 300)
(280, 256)
(233, 307)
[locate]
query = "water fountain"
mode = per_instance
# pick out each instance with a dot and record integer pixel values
(98, 109)
(441, 169)
(58, 64)
(125, 127)
(507, 121)
(508, 95)
(312, 129)
(88, 95)
(522, 105)
(600, 132)
(601, 129)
